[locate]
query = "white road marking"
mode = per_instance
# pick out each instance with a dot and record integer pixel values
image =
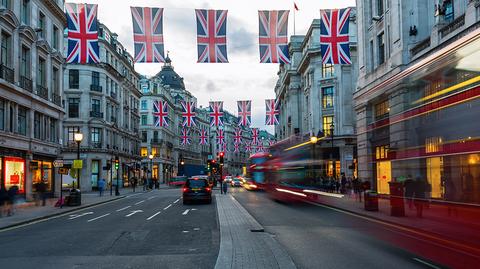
(196, 229)
(131, 195)
(153, 216)
(133, 213)
(98, 217)
(121, 209)
(137, 203)
(185, 231)
(186, 212)
(80, 215)
(194, 209)
(167, 207)
(151, 197)
(176, 201)
(426, 263)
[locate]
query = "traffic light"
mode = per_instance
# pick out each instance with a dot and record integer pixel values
(209, 165)
(117, 163)
(221, 154)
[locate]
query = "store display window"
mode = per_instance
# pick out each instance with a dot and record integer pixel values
(42, 171)
(14, 173)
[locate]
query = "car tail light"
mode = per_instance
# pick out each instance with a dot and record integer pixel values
(185, 189)
(208, 189)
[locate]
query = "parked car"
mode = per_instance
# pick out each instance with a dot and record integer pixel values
(177, 181)
(236, 182)
(197, 189)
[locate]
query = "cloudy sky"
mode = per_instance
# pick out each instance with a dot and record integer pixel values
(243, 78)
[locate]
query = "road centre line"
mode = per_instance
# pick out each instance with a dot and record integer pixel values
(176, 201)
(121, 209)
(137, 203)
(426, 263)
(99, 217)
(151, 197)
(167, 207)
(186, 212)
(153, 216)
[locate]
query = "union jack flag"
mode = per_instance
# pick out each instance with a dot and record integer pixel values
(237, 138)
(273, 36)
(255, 140)
(273, 112)
(82, 33)
(203, 137)
(212, 35)
(188, 114)
(236, 147)
(185, 137)
(160, 113)
(248, 147)
(224, 148)
(220, 137)
(260, 148)
(244, 112)
(271, 142)
(148, 34)
(216, 113)
(334, 39)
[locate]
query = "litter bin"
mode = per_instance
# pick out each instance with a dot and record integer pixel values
(397, 203)
(371, 201)
(75, 198)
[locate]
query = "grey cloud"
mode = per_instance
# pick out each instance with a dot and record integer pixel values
(211, 87)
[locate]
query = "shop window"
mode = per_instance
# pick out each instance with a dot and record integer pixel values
(382, 109)
(327, 123)
(144, 152)
(381, 152)
(22, 121)
(384, 176)
(95, 173)
(42, 172)
(14, 173)
(433, 144)
(434, 176)
(327, 97)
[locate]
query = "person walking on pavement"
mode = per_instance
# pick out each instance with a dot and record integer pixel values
(3, 201)
(101, 186)
(134, 183)
(145, 183)
(42, 189)
(12, 194)
(420, 189)
(221, 185)
(225, 186)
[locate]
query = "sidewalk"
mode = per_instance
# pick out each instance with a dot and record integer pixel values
(29, 211)
(243, 242)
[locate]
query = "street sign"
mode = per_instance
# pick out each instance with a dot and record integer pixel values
(63, 171)
(58, 163)
(77, 164)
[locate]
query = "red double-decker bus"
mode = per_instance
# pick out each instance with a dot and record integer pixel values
(256, 171)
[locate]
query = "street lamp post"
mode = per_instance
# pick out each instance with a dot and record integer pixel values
(117, 167)
(78, 137)
(151, 166)
(332, 128)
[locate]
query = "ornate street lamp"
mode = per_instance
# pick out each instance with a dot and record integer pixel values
(78, 137)
(332, 129)
(151, 166)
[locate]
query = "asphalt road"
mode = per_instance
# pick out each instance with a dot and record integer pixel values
(319, 237)
(147, 230)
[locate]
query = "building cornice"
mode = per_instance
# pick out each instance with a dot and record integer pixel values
(56, 10)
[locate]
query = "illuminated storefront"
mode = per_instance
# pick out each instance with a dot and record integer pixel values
(14, 173)
(42, 171)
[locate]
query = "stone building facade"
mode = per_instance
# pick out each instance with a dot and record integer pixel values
(31, 89)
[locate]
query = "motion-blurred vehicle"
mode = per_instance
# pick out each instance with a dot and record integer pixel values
(256, 169)
(236, 182)
(228, 179)
(177, 181)
(197, 189)
(249, 184)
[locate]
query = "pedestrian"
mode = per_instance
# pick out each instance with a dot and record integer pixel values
(221, 185)
(343, 183)
(134, 182)
(101, 186)
(356, 188)
(12, 195)
(145, 183)
(420, 189)
(225, 186)
(3, 201)
(409, 186)
(42, 189)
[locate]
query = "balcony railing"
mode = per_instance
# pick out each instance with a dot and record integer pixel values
(96, 145)
(156, 141)
(135, 110)
(95, 88)
(42, 92)
(451, 27)
(420, 46)
(96, 114)
(7, 73)
(26, 83)
(57, 99)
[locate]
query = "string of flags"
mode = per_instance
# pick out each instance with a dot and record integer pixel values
(212, 46)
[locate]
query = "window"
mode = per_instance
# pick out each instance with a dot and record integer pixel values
(37, 125)
(25, 63)
(433, 144)
(155, 151)
(381, 152)
(380, 7)
(41, 25)
(371, 62)
(144, 152)
(96, 105)
(448, 7)
(22, 121)
(96, 135)
(2, 114)
(144, 119)
(381, 48)
(25, 12)
(6, 4)
(327, 70)
(55, 37)
(71, 131)
(53, 130)
(144, 137)
(95, 78)
(144, 104)
(155, 135)
(73, 78)
(6, 49)
(73, 107)
(327, 123)
(327, 97)
(382, 109)
(41, 75)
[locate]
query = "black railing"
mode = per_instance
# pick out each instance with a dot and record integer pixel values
(95, 88)
(57, 99)
(96, 114)
(42, 92)
(454, 25)
(96, 145)
(26, 83)
(7, 73)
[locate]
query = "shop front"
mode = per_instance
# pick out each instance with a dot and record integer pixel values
(42, 171)
(13, 173)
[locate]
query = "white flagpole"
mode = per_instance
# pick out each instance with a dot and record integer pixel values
(294, 11)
